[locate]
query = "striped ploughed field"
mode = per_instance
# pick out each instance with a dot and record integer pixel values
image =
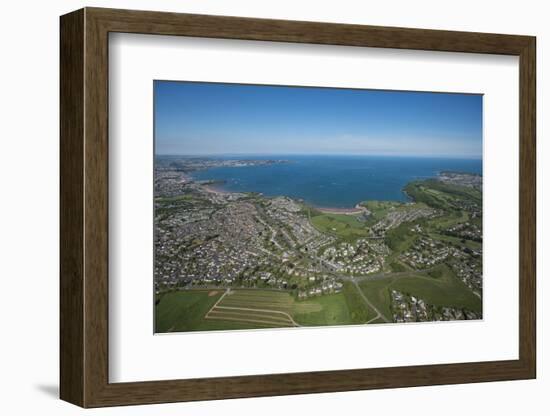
(268, 308)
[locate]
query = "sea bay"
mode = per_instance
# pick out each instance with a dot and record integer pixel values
(334, 181)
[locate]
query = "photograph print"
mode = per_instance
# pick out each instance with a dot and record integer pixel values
(289, 207)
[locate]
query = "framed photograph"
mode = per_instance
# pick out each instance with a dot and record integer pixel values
(255, 207)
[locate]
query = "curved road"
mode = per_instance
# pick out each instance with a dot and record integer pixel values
(378, 276)
(368, 302)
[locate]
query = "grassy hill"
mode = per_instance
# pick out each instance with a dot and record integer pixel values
(192, 310)
(444, 290)
(340, 225)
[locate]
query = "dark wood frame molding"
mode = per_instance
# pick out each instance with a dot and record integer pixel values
(84, 209)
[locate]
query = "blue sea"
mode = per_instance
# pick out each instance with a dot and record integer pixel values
(334, 181)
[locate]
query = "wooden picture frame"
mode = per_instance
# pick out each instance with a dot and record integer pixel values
(84, 207)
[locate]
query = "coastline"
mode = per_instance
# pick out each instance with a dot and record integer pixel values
(215, 188)
(346, 211)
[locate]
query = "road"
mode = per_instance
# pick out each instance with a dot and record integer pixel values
(352, 279)
(378, 276)
(369, 303)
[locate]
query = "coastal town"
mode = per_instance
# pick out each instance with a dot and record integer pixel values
(401, 261)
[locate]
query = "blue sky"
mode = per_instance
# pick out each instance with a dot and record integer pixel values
(217, 118)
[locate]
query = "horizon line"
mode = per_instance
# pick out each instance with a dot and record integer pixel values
(477, 157)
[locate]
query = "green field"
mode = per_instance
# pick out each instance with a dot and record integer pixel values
(379, 295)
(444, 290)
(400, 238)
(193, 310)
(200, 310)
(333, 310)
(457, 241)
(323, 310)
(183, 310)
(340, 225)
(397, 266)
(449, 219)
(379, 209)
(442, 195)
(176, 198)
(360, 312)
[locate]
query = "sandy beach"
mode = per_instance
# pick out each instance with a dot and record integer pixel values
(215, 190)
(347, 211)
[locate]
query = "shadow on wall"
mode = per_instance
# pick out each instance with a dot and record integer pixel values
(49, 390)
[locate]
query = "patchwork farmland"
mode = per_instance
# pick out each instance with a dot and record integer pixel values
(253, 308)
(270, 308)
